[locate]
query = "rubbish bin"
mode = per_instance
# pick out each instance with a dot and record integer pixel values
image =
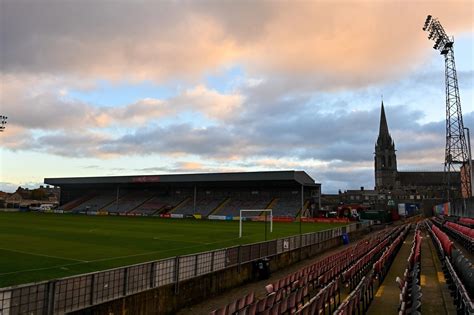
(262, 269)
(345, 238)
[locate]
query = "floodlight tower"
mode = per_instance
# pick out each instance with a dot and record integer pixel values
(3, 122)
(456, 152)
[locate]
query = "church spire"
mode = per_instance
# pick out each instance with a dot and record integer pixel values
(383, 130)
(385, 158)
(384, 140)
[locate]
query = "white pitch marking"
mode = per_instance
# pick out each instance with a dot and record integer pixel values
(43, 255)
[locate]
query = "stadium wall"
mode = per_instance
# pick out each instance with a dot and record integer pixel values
(170, 298)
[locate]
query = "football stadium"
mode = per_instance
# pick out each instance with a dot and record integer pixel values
(234, 115)
(156, 216)
(170, 244)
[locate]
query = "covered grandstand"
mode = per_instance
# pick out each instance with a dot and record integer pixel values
(222, 194)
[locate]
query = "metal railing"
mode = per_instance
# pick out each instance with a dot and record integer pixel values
(77, 292)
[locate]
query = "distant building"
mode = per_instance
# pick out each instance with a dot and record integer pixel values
(24, 197)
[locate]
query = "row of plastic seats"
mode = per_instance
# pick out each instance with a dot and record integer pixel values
(463, 234)
(313, 278)
(327, 268)
(461, 228)
(287, 293)
(239, 306)
(298, 291)
(464, 269)
(359, 299)
(462, 299)
(353, 275)
(287, 304)
(382, 264)
(410, 289)
(446, 243)
(325, 300)
(467, 221)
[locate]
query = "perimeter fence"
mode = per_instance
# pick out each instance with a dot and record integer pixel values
(74, 293)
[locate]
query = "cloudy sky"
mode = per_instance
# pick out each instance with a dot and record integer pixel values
(97, 88)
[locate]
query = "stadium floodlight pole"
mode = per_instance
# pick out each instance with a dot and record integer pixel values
(456, 148)
(3, 120)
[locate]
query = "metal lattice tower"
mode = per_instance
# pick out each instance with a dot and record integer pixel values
(456, 152)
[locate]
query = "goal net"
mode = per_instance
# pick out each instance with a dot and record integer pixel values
(263, 215)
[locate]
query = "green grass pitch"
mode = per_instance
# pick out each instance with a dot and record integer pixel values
(38, 246)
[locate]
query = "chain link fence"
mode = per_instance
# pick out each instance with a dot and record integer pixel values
(77, 292)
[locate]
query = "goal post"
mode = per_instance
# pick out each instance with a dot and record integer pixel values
(258, 211)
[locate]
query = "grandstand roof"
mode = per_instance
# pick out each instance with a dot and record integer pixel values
(300, 177)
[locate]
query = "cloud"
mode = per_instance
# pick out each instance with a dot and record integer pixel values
(312, 134)
(41, 103)
(307, 75)
(344, 43)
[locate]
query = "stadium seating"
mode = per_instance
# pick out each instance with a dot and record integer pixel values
(286, 206)
(76, 202)
(128, 202)
(96, 203)
(462, 234)
(238, 203)
(359, 299)
(317, 288)
(383, 263)
(410, 289)
(204, 205)
(458, 270)
(139, 202)
(243, 305)
(467, 222)
(361, 281)
(446, 243)
(158, 204)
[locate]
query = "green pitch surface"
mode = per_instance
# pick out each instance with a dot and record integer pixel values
(37, 246)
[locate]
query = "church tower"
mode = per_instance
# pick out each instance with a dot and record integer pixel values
(385, 158)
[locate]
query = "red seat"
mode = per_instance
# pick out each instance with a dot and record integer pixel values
(232, 307)
(250, 298)
(252, 309)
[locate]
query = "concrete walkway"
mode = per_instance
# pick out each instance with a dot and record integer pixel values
(387, 297)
